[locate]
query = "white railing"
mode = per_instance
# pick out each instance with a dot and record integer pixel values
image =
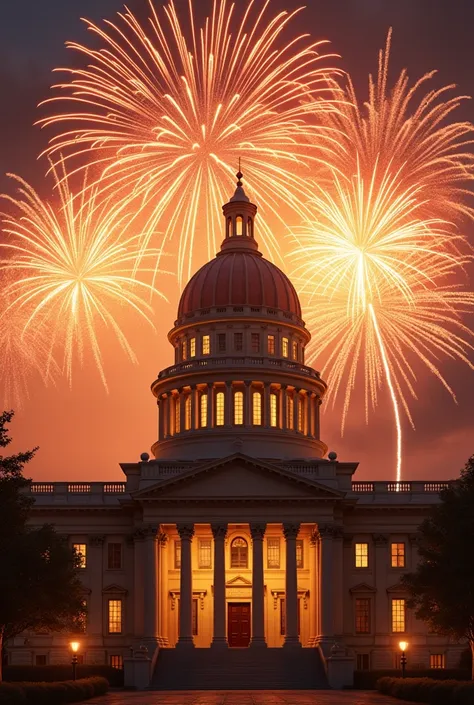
(416, 486)
(195, 365)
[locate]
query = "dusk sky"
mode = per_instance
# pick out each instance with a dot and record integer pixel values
(82, 431)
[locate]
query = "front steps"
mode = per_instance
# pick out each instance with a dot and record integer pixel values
(239, 669)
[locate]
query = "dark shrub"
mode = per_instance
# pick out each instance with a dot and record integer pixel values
(11, 694)
(59, 672)
(427, 690)
(366, 680)
(52, 693)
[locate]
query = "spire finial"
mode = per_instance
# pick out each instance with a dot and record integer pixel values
(239, 175)
(240, 194)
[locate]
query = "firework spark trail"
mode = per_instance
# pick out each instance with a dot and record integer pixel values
(72, 266)
(165, 112)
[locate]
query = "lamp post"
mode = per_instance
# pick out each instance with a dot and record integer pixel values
(74, 648)
(403, 659)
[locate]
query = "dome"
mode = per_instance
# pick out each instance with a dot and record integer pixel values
(236, 278)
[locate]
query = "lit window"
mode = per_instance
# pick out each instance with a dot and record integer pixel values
(183, 350)
(239, 553)
(299, 553)
(177, 413)
(255, 342)
(362, 615)
(398, 555)
(239, 225)
(238, 342)
(239, 408)
(187, 413)
(273, 553)
(284, 347)
(301, 414)
(273, 410)
(220, 409)
(115, 616)
(229, 227)
(363, 662)
(203, 404)
(289, 412)
(221, 342)
(116, 661)
(192, 347)
(398, 616)
(114, 556)
(257, 408)
(205, 560)
(177, 554)
(361, 555)
(206, 345)
(271, 344)
(294, 349)
(81, 552)
(437, 661)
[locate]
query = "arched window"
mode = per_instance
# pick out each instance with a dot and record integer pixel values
(257, 408)
(177, 415)
(238, 408)
(187, 413)
(239, 225)
(184, 349)
(273, 410)
(294, 350)
(301, 414)
(239, 553)
(229, 227)
(203, 410)
(220, 409)
(289, 412)
(284, 347)
(250, 227)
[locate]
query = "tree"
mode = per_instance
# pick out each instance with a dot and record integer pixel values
(39, 586)
(442, 586)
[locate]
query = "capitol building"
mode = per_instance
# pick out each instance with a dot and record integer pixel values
(240, 553)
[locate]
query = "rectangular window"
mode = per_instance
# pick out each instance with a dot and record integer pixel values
(187, 413)
(40, 659)
(115, 616)
(299, 553)
(221, 342)
(294, 349)
(114, 556)
(289, 412)
(361, 555)
(177, 554)
(206, 345)
(255, 342)
(283, 617)
(273, 553)
(238, 342)
(177, 415)
(184, 348)
(362, 615)
(192, 347)
(205, 556)
(220, 409)
(273, 410)
(437, 661)
(363, 662)
(301, 414)
(271, 345)
(284, 347)
(116, 661)
(238, 408)
(203, 405)
(398, 555)
(81, 552)
(257, 408)
(398, 616)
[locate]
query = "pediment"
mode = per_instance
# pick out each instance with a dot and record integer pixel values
(398, 587)
(238, 581)
(362, 587)
(114, 589)
(238, 477)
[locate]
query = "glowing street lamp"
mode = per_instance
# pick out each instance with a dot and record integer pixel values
(74, 648)
(403, 659)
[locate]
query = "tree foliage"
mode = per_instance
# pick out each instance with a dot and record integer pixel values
(442, 586)
(39, 586)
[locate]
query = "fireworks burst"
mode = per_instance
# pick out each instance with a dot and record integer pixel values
(166, 111)
(72, 267)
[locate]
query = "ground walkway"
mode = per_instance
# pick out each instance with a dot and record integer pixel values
(247, 697)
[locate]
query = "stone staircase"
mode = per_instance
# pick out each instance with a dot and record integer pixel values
(239, 669)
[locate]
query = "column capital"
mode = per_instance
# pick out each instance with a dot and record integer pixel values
(185, 531)
(219, 531)
(257, 531)
(290, 531)
(97, 539)
(150, 532)
(248, 382)
(228, 383)
(314, 538)
(162, 538)
(380, 539)
(326, 531)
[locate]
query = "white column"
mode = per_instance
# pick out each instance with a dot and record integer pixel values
(266, 401)
(210, 404)
(229, 404)
(219, 532)
(317, 413)
(309, 412)
(182, 410)
(326, 580)
(283, 407)
(150, 602)
(257, 532)
(314, 593)
(296, 401)
(163, 588)
(186, 533)
(338, 582)
(248, 403)
(194, 399)
(290, 531)
(161, 418)
(95, 563)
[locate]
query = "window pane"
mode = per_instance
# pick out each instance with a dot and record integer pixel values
(177, 415)
(361, 555)
(437, 661)
(238, 408)
(220, 409)
(203, 404)
(239, 225)
(398, 616)
(221, 342)
(177, 554)
(114, 556)
(362, 615)
(295, 350)
(273, 410)
(206, 345)
(301, 414)
(398, 555)
(205, 560)
(115, 616)
(192, 347)
(187, 413)
(257, 408)
(273, 553)
(183, 350)
(81, 551)
(299, 553)
(284, 347)
(116, 661)
(271, 345)
(255, 342)
(238, 342)
(239, 553)
(289, 412)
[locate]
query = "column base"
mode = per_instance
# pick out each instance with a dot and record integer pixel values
(292, 642)
(185, 642)
(258, 643)
(219, 642)
(325, 644)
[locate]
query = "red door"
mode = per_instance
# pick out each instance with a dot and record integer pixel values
(239, 624)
